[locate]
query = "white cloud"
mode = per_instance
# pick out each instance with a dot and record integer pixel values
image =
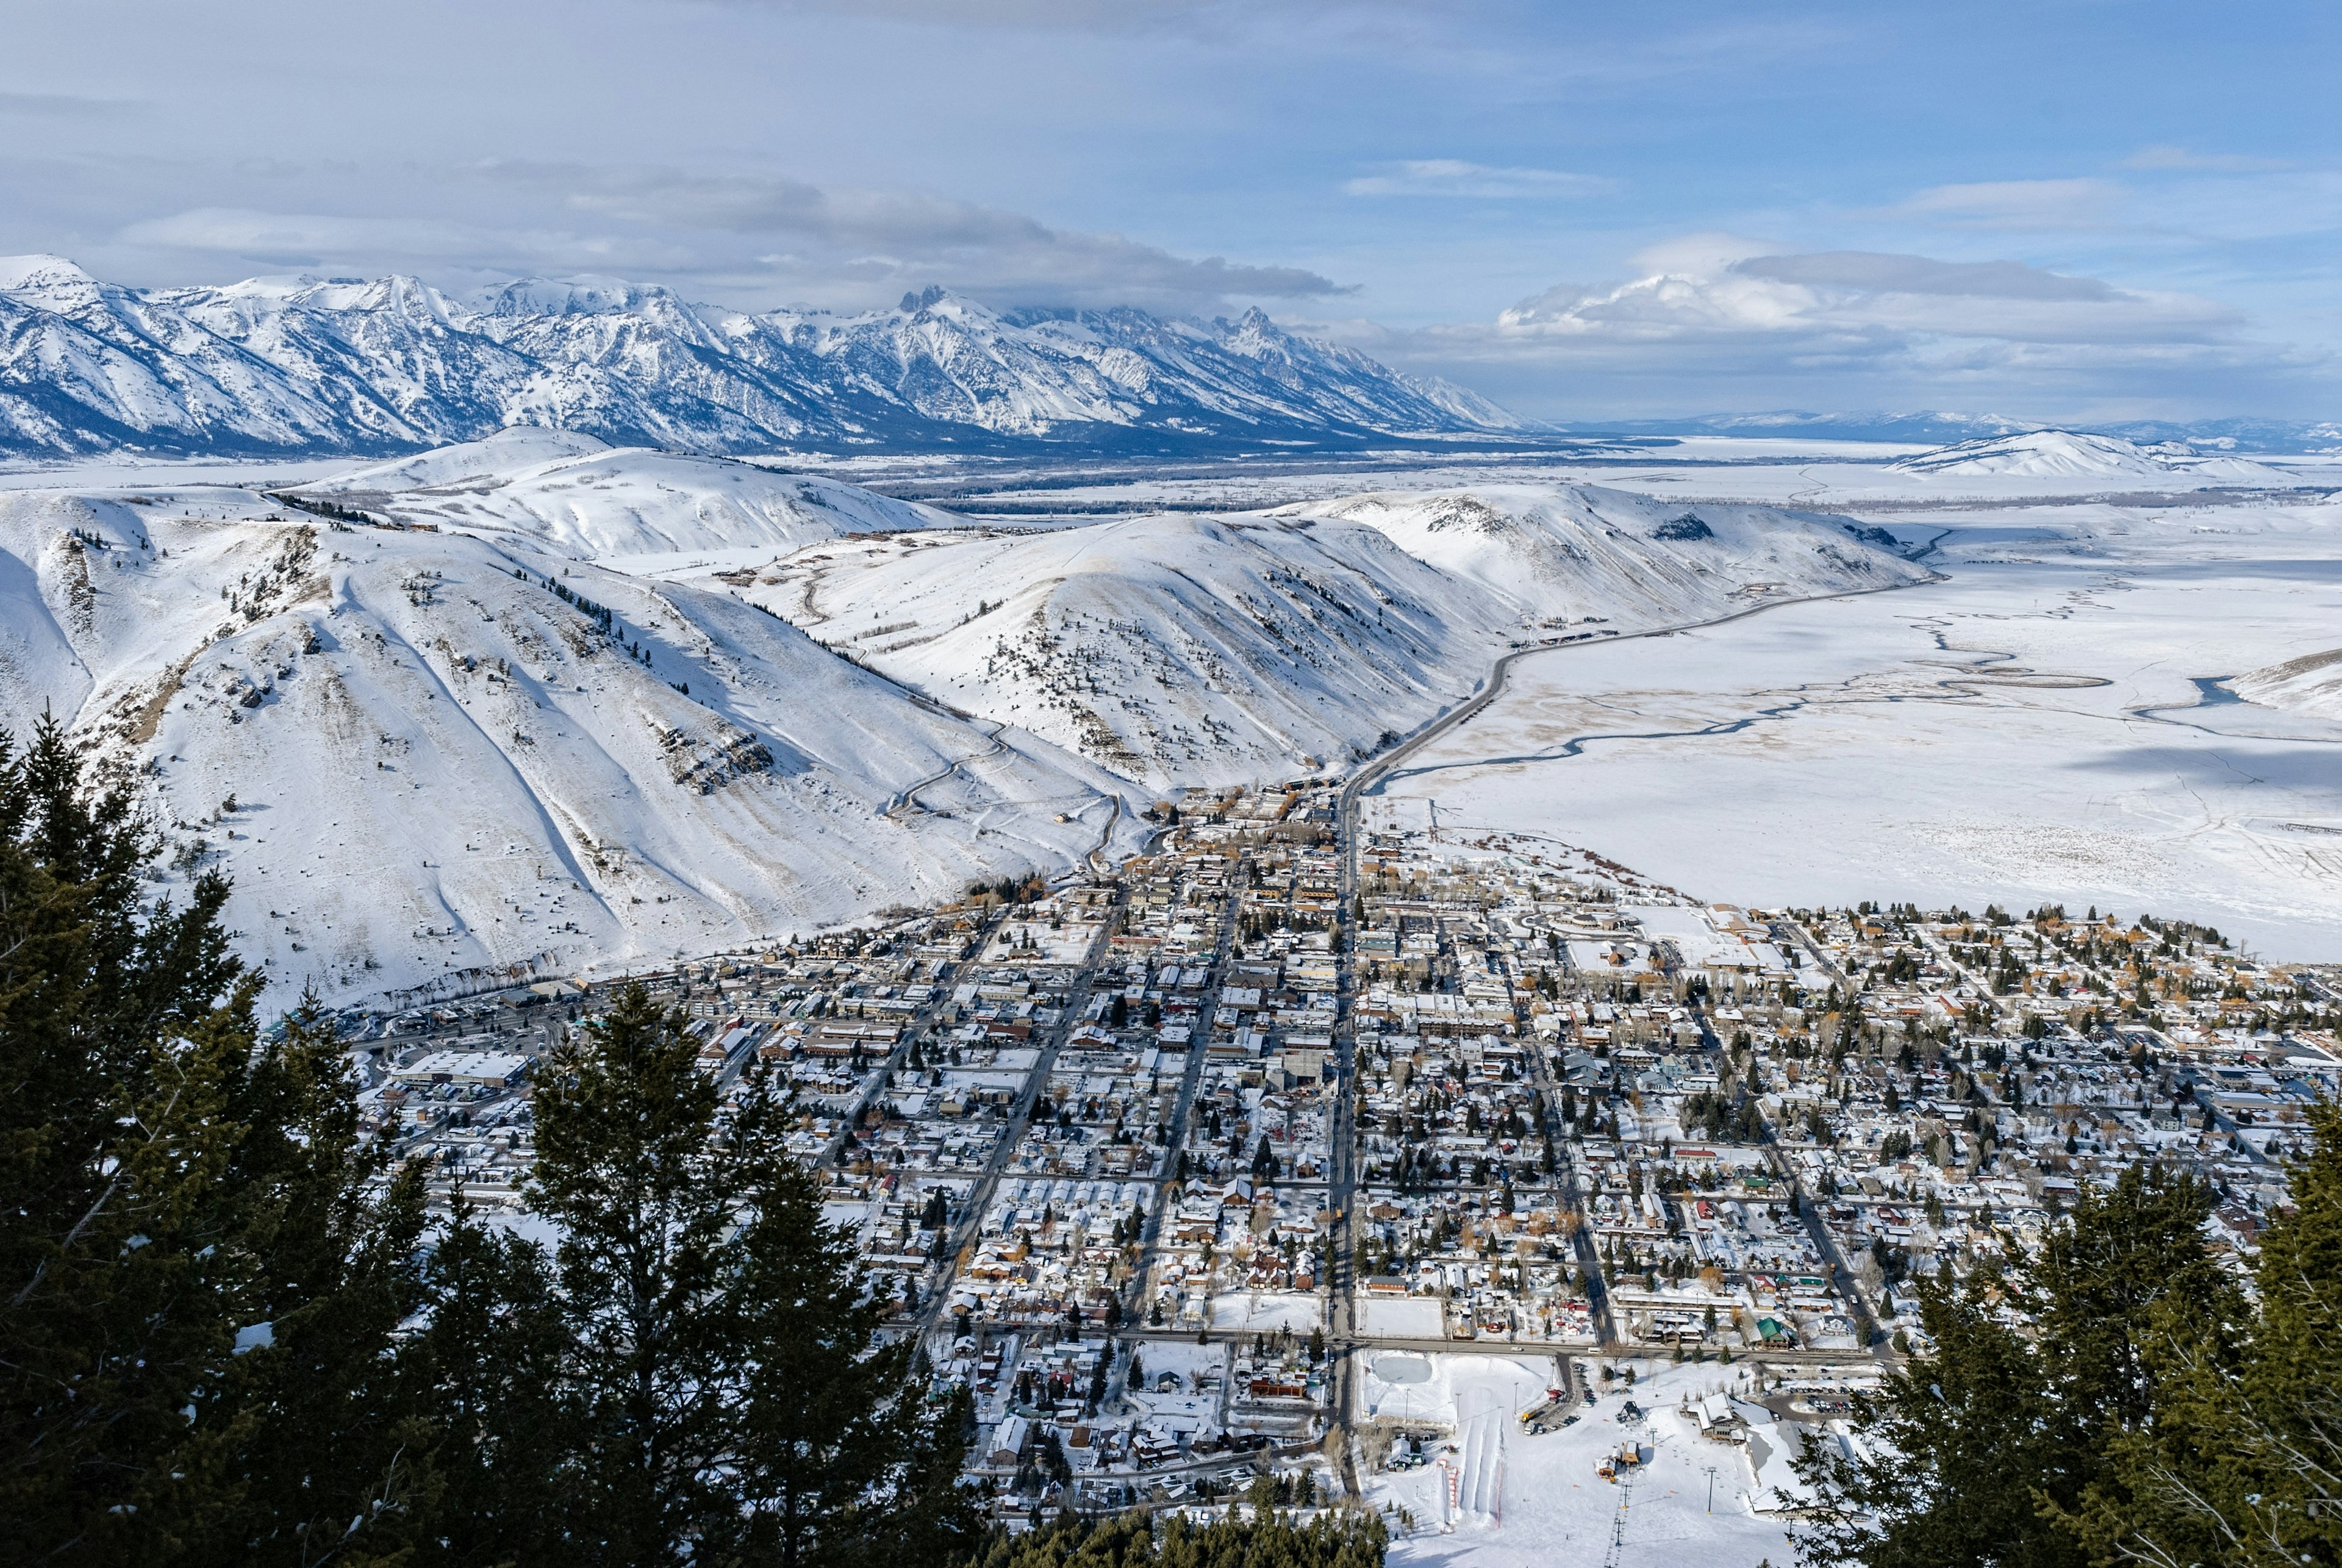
(62, 105)
(1878, 273)
(1453, 178)
(2026, 204)
(750, 240)
(1711, 286)
(2162, 156)
(1721, 320)
(877, 240)
(318, 240)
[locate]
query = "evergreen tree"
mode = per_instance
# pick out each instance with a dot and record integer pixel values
(330, 1451)
(491, 1360)
(841, 1459)
(1953, 1444)
(2242, 1462)
(726, 1396)
(627, 1168)
(200, 1270)
(1980, 1450)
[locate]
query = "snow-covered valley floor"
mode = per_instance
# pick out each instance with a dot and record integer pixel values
(2052, 722)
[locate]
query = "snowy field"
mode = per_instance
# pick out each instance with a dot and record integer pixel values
(1411, 1317)
(1265, 1311)
(2048, 724)
(1552, 1506)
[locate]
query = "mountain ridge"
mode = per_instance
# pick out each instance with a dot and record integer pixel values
(378, 366)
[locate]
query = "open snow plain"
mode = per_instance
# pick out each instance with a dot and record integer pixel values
(2058, 719)
(1688, 1499)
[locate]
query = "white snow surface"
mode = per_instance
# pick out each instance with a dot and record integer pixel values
(446, 767)
(2047, 724)
(443, 768)
(2311, 684)
(1551, 1505)
(570, 495)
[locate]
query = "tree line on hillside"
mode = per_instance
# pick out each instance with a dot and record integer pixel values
(2159, 1411)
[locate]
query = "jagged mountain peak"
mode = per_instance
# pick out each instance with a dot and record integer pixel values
(937, 298)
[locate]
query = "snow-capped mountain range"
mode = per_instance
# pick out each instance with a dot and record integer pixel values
(310, 366)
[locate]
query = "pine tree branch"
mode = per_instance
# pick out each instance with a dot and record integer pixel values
(120, 1169)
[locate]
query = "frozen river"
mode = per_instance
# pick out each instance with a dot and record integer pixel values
(2046, 725)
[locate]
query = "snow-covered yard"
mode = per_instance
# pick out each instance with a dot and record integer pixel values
(1403, 1317)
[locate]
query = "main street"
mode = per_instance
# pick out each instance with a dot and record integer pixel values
(1191, 1074)
(961, 1238)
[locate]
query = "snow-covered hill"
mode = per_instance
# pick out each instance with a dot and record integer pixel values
(446, 755)
(570, 495)
(1552, 555)
(2071, 454)
(389, 364)
(1178, 649)
(2310, 684)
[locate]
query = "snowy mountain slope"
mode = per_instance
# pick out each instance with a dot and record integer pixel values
(457, 742)
(573, 495)
(2310, 684)
(1554, 554)
(442, 760)
(1171, 648)
(360, 366)
(2070, 454)
(1180, 649)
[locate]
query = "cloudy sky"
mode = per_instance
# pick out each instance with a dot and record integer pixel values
(2056, 209)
